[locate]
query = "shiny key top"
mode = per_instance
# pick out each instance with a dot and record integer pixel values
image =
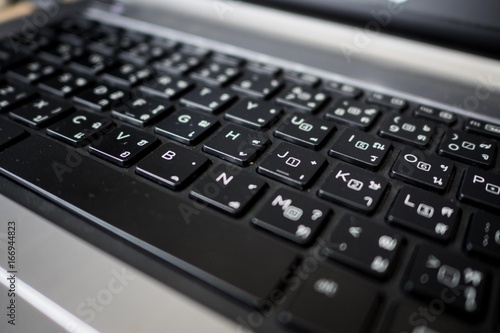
(229, 189)
(467, 148)
(480, 188)
(425, 213)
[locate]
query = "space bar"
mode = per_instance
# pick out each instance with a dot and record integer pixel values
(242, 263)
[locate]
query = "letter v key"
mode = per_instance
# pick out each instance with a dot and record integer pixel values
(122, 136)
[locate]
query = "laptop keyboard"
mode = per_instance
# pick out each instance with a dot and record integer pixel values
(262, 180)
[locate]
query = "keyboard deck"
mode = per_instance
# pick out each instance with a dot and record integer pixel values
(340, 208)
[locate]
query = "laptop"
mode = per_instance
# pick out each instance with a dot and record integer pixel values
(234, 166)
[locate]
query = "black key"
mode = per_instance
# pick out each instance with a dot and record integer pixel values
(90, 63)
(302, 78)
(123, 146)
(264, 68)
(468, 148)
(257, 85)
(434, 273)
(165, 43)
(483, 236)
(354, 187)
(308, 132)
(327, 292)
(481, 188)
(292, 165)
(364, 245)
(227, 59)
(172, 166)
(141, 53)
(483, 128)
(80, 128)
(412, 131)
(139, 111)
(195, 50)
(8, 57)
(253, 113)
(178, 63)
(440, 116)
(76, 31)
(32, 72)
(27, 44)
(13, 95)
(229, 189)
(126, 75)
(216, 74)
(187, 126)
(208, 99)
(99, 98)
(387, 101)
(424, 318)
(353, 113)
(425, 213)
(343, 89)
(64, 84)
(428, 171)
(166, 86)
(361, 149)
(210, 236)
(60, 52)
(109, 42)
(292, 216)
(40, 112)
(303, 98)
(134, 36)
(9, 133)
(237, 145)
